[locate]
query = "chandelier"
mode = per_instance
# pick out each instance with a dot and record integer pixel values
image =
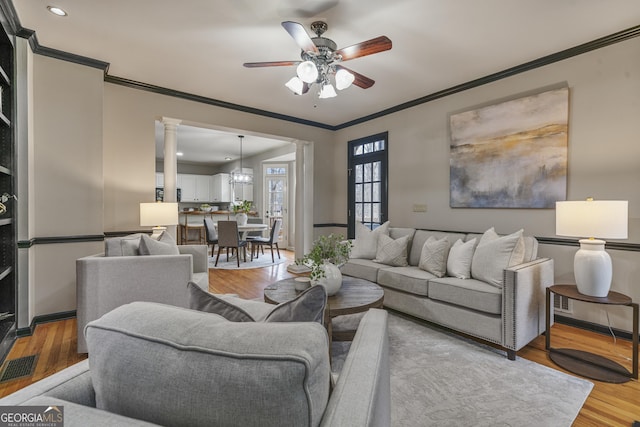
(317, 67)
(239, 177)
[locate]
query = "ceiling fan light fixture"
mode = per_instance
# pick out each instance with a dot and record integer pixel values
(295, 85)
(307, 71)
(327, 91)
(344, 79)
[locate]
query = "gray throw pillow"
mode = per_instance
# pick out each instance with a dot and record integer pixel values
(433, 257)
(122, 246)
(165, 245)
(392, 252)
(306, 307)
(494, 254)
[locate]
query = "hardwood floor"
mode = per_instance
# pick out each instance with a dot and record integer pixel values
(607, 405)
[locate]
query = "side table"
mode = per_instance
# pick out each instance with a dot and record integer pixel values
(585, 363)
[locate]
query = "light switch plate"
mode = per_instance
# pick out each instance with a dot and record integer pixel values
(419, 208)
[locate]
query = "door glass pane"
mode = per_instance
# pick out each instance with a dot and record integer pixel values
(375, 197)
(376, 171)
(367, 192)
(358, 192)
(367, 172)
(359, 212)
(357, 150)
(358, 173)
(375, 212)
(367, 212)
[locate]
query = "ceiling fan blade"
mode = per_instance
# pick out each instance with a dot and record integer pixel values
(270, 64)
(361, 81)
(369, 47)
(300, 36)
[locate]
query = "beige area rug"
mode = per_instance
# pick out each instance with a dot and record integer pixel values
(264, 260)
(441, 379)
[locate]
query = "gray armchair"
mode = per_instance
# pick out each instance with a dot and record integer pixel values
(106, 282)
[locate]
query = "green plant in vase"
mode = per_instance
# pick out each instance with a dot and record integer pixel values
(242, 207)
(332, 249)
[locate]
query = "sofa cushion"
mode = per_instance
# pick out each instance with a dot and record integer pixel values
(469, 293)
(392, 251)
(308, 306)
(459, 260)
(493, 254)
(407, 279)
(165, 245)
(366, 241)
(174, 366)
(362, 268)
(434, 256)
(421, 236)
(122, 246)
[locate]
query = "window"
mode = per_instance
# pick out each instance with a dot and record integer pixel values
(367, 176)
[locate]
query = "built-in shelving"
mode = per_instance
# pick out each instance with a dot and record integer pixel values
(8, 247)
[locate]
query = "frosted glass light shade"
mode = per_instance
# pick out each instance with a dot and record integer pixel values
(344, 79)
(295, 85)
(327, 91)
(603, 218)
(307, 72)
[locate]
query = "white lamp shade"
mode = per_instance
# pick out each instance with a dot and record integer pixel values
(327, 91)
(605, 219)
(158, 213)
(307, 72)
(295, 85)
(344, 79)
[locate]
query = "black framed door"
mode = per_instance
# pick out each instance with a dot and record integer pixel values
(367, 186)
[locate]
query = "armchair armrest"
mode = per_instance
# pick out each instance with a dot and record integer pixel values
(104, 283)
(199, 254)
(362, 396)
(72, 384)
(523, 301)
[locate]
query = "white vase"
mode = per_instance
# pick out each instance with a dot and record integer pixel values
(332, 280)
(242, 218)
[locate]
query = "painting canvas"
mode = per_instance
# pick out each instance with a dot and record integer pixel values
(512, 154)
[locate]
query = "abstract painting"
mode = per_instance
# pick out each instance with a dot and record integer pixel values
(512, 154)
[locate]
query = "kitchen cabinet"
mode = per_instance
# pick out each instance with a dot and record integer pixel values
(159, 180)
(220, 190)
(194, 188)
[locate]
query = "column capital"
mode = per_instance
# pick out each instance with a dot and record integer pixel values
(169, 122)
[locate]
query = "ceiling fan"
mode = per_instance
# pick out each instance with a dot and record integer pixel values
(321, 59)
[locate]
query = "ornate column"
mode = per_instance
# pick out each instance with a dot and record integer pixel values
(170, 163)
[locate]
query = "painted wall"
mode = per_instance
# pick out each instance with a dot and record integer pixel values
(129, 145)
(65, 180)
(604, 158)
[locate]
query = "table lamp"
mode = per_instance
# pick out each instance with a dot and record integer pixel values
(592, 218)
(158, 215)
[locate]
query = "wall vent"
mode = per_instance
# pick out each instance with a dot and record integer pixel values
(562, 304)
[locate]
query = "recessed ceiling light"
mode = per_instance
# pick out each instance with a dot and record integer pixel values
(227, 158)
(179, 153)
(57, 11)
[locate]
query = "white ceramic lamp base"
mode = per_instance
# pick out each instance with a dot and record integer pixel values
(592, 268)
(157, 231)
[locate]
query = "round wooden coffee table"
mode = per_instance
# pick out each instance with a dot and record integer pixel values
(355, 296)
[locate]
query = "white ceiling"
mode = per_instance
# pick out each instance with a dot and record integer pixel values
(199, 46)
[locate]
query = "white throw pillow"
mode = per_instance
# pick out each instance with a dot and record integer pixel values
(366, 242)
(459, 261)
(433, 257)
(494, 254)
(392, 252)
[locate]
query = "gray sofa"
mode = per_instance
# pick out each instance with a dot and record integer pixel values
(154, 364)
(510, 315)
(120, 276)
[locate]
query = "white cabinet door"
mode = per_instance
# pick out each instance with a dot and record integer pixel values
(188, 188)
(159, 179)
(243, 192)
(220, 190)
(202, 188)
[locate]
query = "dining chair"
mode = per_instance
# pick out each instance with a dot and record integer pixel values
(271, 241)
(229, 238)
(211, 234)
